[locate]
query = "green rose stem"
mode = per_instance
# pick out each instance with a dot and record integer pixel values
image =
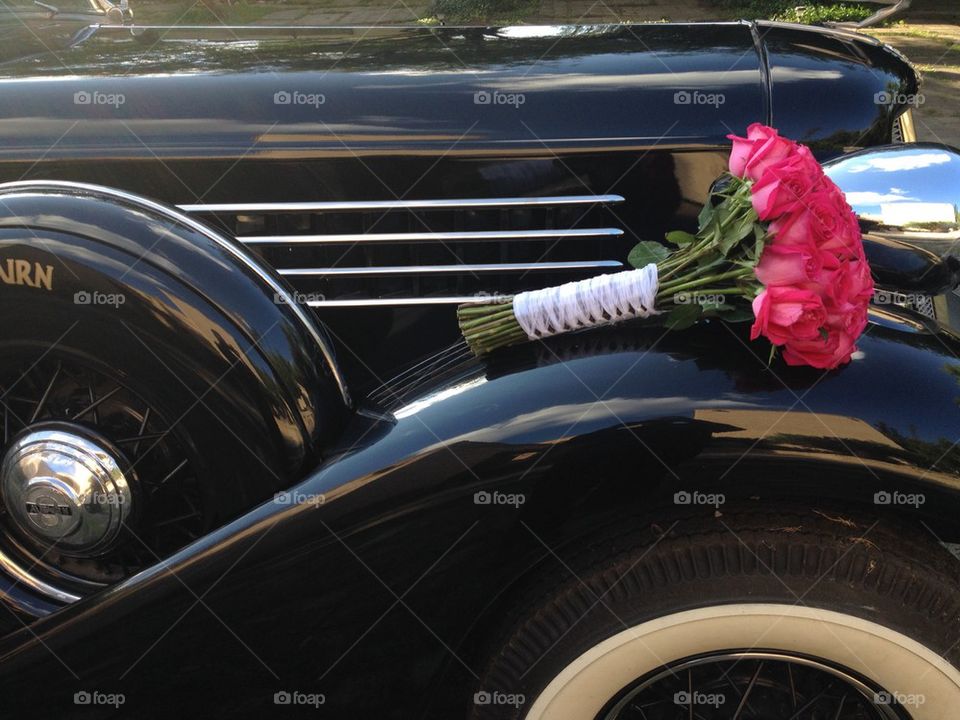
(693, 266)
(489, 326)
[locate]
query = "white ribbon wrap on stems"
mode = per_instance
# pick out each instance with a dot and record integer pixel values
(600, 300)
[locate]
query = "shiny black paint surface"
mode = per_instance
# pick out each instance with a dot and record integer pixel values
(898, 265)
(383, 595)
(243, 373)
(595, 430)
(601, 114)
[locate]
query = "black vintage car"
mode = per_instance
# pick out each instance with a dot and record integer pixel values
(250, 469)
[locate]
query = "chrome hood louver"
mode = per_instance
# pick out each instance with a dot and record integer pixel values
(426, 252)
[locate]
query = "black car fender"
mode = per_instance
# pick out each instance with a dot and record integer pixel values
(450, 487)
(117, 277)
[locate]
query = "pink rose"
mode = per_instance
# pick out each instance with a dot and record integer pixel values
(824, 353)
(762, 147)
(783, 188)
(793, 229)
(833, 224)
(852, 285)
(787, 313)
(782, 264)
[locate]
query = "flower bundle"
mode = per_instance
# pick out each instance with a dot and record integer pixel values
(777, 243)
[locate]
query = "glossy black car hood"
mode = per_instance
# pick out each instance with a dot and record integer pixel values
(456, 90)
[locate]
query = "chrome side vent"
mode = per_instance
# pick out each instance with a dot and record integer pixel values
(903, 130)
(425, 252)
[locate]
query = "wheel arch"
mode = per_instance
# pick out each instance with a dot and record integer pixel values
(186, 289)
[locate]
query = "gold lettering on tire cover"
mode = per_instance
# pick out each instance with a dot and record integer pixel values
(23, 272)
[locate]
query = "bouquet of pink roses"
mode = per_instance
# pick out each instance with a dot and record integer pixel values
(777, 234)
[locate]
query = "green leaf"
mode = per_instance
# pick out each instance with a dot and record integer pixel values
(647, 252)
(760, 240)
(703, 219)
(736, 312)
(683, 316)
(709, 261)
(680, 238)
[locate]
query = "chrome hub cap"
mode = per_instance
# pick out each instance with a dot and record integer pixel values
(65, 489)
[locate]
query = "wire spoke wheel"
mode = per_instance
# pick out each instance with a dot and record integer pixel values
(753, 685)
(68, 397)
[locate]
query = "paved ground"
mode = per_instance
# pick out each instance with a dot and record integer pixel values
(934, 48)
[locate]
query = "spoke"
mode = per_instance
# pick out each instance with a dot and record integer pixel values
(843, 699)
(746, 693)
(46, 394)
(177, 519)
(793, 688)
(138, 438)
(813, 701)
(169, 475)
(96, 403)
(143, 427)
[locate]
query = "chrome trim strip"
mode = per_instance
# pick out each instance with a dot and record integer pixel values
(449, 269)
(908, 131)
(482, 235)
(404, 302)
(24, 578)
(445, 204)
(230, 246)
